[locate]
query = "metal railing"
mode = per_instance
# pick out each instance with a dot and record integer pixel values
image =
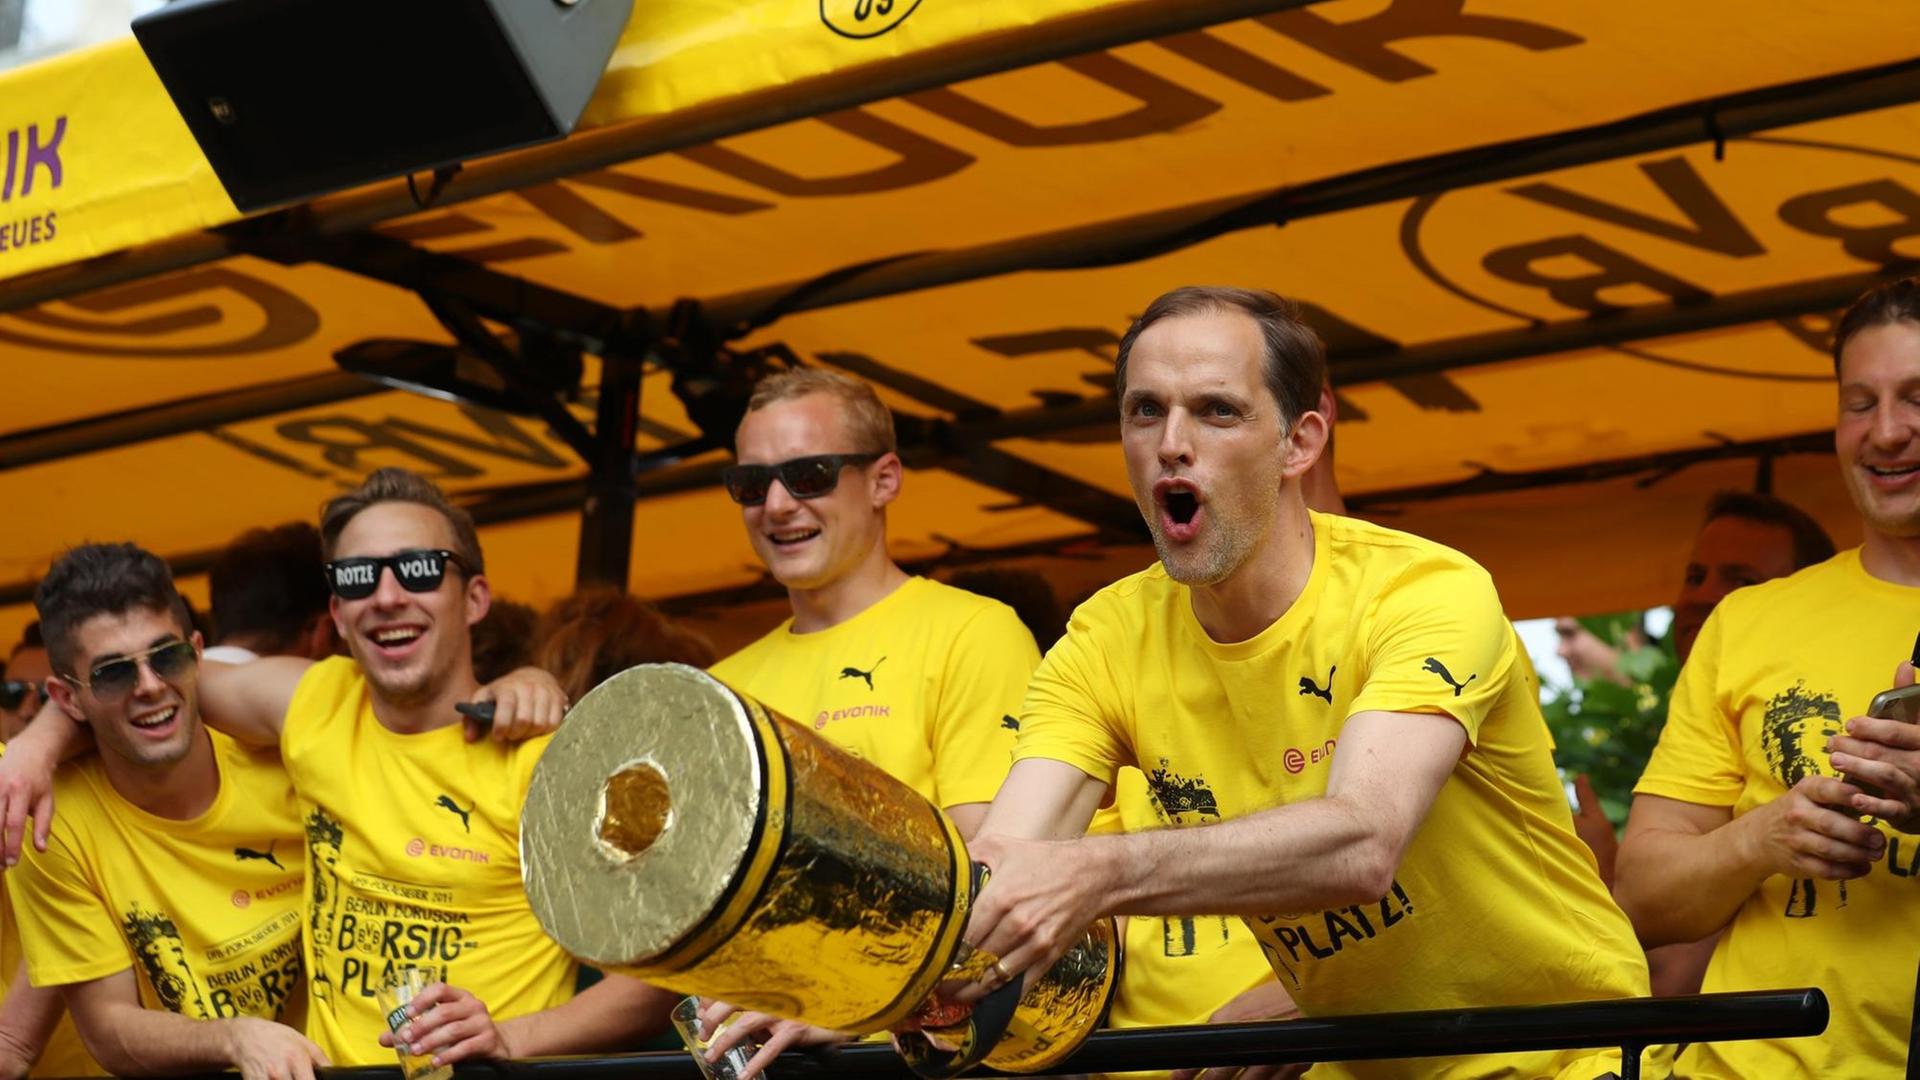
(1632, 1024)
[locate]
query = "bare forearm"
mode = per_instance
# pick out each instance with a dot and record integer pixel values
(1678, 887)
(1315, 854)
(27, 1017)
(153, 1042)
(613, 1014)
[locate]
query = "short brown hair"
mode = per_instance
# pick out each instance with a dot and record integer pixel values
(400, 485)
(596, 633)
(1296, 361)
(868, 421)
(1896, 301)
(1811, 544)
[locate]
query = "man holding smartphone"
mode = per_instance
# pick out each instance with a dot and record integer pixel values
(1745, 816)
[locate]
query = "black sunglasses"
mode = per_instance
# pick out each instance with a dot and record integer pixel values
(13, 692)
(416, 571)
(115, 678)
(803, 477)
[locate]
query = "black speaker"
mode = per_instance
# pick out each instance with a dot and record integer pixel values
(293, 98)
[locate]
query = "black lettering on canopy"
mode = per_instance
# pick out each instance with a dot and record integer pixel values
(345, 439)
(1164, 106)
(921, 160)
(1819, 213)
(1363, 43)
(284, 319)
(1710, 224)
(1256, 73)
(1607, 268)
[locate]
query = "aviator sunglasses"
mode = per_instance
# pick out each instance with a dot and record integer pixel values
(416, 571)
(13, 692)
(112, 679)
(803, 477)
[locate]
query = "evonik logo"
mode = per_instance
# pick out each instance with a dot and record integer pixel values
(1297, 760)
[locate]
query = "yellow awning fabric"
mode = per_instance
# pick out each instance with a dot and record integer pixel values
(1575, 265)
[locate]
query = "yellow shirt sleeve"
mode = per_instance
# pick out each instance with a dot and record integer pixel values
(67, 930)
(1439, 643)
(1698, 758)
(981, 688)
(1073, 712)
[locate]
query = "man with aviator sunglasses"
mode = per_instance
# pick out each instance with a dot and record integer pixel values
(165, 902)
(915, 676)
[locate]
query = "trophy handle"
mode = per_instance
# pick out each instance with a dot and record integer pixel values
(984, 1026)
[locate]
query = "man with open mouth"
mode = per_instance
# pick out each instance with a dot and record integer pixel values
(1345, 699)
(173, 951)
(411, 825)
(917, 677)
(1771, 805)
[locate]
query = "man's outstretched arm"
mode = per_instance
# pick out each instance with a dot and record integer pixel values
(128, 1040)
(1343, 848)
(27, 1018)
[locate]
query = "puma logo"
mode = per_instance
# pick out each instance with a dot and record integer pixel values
(245, 853)
(445, 802)
(854, 672)
(1446, 676)
(1307, 686)
(1010, 723)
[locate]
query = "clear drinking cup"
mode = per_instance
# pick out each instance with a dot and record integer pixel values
(686, 1021)
(399, 988)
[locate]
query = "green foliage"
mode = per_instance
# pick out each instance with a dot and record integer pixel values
(1608, 730)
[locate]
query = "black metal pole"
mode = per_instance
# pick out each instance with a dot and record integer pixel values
(1630, 1024)
(606, 519)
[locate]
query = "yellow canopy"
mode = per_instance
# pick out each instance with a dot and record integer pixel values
(1575, 264)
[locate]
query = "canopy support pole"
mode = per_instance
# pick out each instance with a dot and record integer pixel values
(606, 518)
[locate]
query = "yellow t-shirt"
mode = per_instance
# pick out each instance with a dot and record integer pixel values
(413, 845)
(925, 684)
(1495, 901)
(64, 1054)
(1779, 668)
(209, 907)
(1178, 970)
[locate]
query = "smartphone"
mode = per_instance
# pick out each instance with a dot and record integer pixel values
(1902, 705)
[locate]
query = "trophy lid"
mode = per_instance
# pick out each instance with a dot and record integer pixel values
(642, 815)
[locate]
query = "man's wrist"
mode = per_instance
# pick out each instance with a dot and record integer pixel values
(1097, 866)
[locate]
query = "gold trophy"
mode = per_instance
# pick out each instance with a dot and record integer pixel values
(682, 833)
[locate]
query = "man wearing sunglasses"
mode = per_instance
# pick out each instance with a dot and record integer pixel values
(24, 690)
(165, 904)
(411, 830)
(919, 678)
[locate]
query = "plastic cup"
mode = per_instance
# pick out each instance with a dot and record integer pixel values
(398, 989)
(686, 1021)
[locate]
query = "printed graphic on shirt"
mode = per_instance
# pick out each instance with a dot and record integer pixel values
(156, 941)
(1180, 800)
(324, 836)
(1292, 941)
(1011, 723)
(369, 925)
(1310, 688)
(1794, 733)
(233, 978)
(1446, 676)
(867, 675)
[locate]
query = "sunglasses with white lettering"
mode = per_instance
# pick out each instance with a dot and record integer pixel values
(115, 678)
(416, 571)
(804, 477)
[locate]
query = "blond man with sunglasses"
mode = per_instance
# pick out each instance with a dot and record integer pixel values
(919, 678)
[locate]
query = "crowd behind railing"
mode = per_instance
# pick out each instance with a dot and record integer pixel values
(1303, 754)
